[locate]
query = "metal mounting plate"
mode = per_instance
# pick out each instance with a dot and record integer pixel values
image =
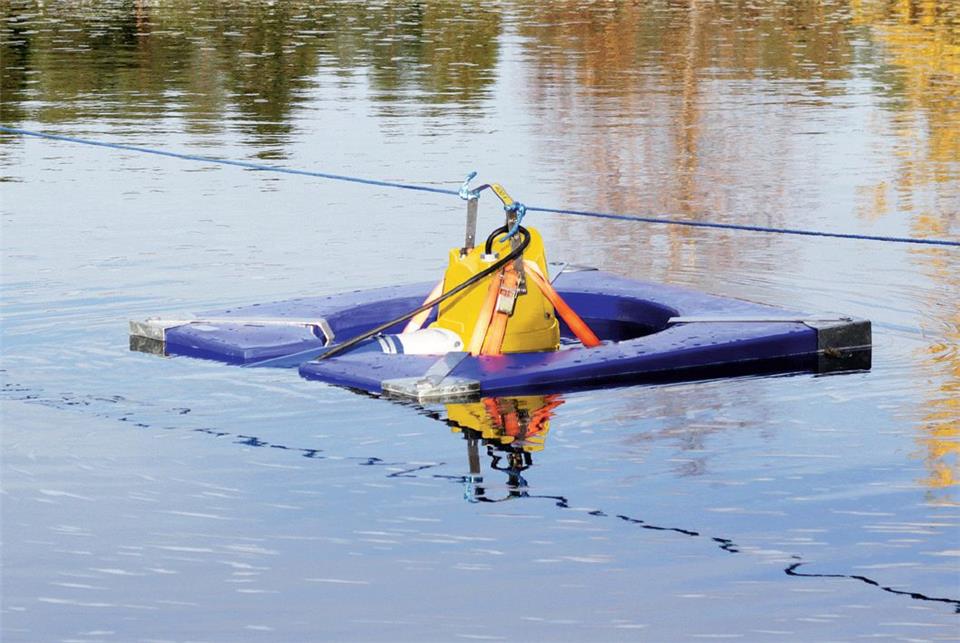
(436, 384)
(450, 389)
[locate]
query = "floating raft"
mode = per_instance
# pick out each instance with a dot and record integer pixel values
(651, 332)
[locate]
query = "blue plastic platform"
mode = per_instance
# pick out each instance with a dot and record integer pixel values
(632, 317)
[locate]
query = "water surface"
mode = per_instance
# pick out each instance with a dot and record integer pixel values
(176, 499)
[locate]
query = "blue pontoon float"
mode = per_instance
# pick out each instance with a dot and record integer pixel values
(650, 332)
(498, 325)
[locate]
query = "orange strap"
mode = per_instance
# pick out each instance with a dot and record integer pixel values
(494, 340)
(573, 320)
(493, 343)
(493, 410)
(486, 312)
(416, 322)
(507, 418)
(503, 412)
(540, 417)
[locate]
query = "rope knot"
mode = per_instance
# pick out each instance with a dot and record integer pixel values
(465, 192)
(520, 210)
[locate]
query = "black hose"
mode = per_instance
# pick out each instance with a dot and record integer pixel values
(486, 272)
(488, 246)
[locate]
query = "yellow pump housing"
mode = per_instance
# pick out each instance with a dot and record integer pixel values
(532, 327)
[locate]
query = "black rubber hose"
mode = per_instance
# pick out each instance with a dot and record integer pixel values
(488, 246)
(486, 272)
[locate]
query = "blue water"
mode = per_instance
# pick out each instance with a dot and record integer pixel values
(148, 499)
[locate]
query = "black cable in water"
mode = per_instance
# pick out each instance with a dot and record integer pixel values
(486, 272)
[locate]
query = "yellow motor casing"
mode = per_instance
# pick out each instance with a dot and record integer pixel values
(532, 327)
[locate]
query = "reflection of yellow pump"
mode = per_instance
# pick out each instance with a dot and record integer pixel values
(519, 421)
(512, 428)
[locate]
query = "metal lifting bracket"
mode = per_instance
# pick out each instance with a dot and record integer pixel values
(514, 213)
(472, 197)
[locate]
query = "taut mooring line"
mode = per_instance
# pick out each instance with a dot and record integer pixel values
(425, 188)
